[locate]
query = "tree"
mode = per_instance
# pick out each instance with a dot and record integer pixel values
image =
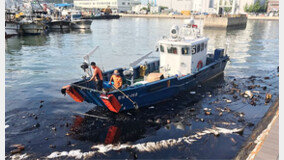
(256, 8)
(163, 8)
(246, 8)
(227, 9)
(264, 7)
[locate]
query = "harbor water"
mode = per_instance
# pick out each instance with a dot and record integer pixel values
(47, 123)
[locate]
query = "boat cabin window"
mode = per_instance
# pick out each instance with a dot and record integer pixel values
(198, 48)
(172, 50)
(77, 16)
(185, 51)
(202, 46)
(162, 49)
(193, 49)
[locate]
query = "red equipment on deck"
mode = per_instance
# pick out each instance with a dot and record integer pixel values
(111, 102)
(73, 93)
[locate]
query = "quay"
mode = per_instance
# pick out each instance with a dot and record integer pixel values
(186, 16)
(269, 148)
(263, 143)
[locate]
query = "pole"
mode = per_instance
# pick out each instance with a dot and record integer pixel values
(233, 7)
(134, 103)
(223, 7)
(218, 6)
(90, 115)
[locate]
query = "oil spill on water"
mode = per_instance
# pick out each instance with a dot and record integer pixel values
(210, 121)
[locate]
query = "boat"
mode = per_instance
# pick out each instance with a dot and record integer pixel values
(59, 25)
(78, 23)
(11, 25)
(61, 17)
(102, 16)
(35, 24)
(105, 13)
(184, 63)
(32, 28)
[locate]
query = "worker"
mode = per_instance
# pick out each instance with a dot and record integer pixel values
(97, 76)
(117, 80)
(142, 70)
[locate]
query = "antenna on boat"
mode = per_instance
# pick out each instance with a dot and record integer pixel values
(227, 46)
(140, 59)
(200, 17)
(86, 63)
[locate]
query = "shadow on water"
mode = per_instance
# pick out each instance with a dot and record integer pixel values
(80, 31)
(130, 126)
(12, 45)
(38, 40)
(16, 43)
(62, 31)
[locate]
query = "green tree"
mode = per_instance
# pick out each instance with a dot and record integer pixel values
(251, 8)
(264, 7)
(227, 9)
(163, 8)
(256, 8)
(246, 8)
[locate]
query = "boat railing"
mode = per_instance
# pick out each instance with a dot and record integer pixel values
(86, 88)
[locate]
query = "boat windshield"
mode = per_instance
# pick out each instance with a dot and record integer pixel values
(76, 16)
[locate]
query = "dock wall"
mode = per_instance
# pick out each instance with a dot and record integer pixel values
(188, 17)
(247, 151)
(225, 22)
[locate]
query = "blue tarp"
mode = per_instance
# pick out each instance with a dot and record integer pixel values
(63, 5)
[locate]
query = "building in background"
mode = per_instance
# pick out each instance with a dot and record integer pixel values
(273, 6)
(176, 5)
(115, 5)
(210, 6)
(188, 5)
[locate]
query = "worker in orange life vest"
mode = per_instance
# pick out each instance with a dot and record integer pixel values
(116, 78)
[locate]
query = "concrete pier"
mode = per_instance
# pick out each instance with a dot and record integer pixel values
(188, 17)
(224, 22)
(263, 143)
(270, 146)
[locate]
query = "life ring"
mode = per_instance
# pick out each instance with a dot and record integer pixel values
(199, 65)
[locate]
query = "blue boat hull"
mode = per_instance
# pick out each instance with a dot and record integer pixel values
(154, 92)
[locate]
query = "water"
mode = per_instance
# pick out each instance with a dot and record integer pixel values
(38, 66)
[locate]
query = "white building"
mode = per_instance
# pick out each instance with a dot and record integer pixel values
(119, 5)
(138, 8)
(176, 5)
(191, 5)
(209, 6)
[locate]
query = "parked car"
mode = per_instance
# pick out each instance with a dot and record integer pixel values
(197, 13)
(174, 13)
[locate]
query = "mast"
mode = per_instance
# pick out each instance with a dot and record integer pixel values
(223, 7)
(39, 4)
(233, 7)
(218, 6)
